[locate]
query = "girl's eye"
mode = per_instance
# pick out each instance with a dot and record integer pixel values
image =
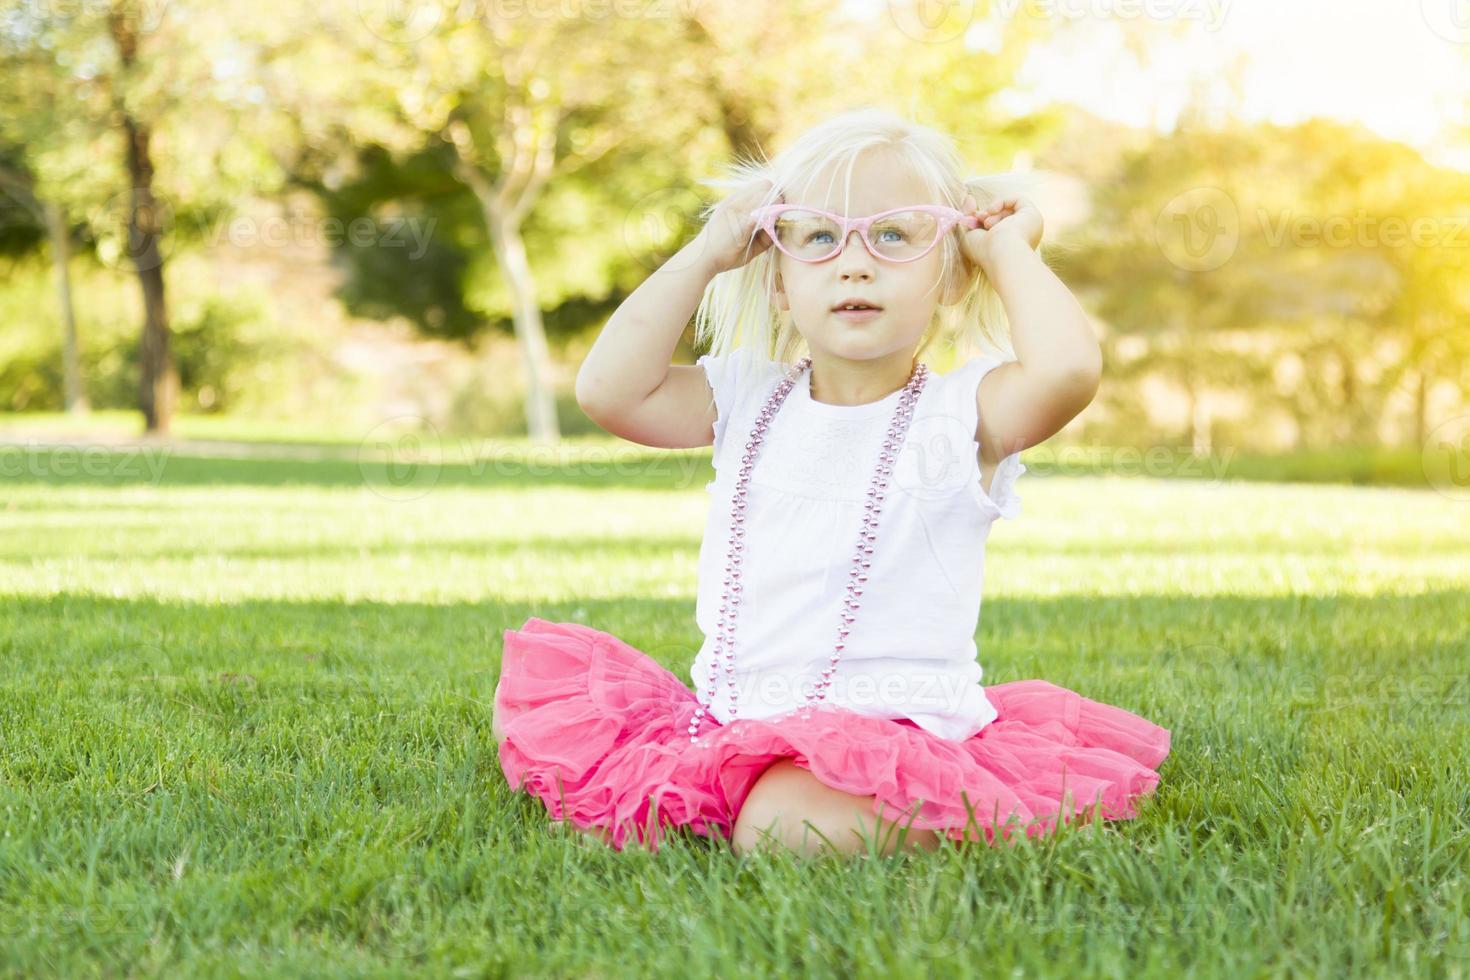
(816, 234)
(890, 231)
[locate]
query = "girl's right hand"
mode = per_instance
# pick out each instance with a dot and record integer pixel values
(726, 237)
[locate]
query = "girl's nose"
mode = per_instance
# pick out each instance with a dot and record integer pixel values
(855, 249)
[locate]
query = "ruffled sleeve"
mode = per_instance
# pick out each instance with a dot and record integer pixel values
(736, 376)
(1002, 498)
(723, 373)
(1003, 494)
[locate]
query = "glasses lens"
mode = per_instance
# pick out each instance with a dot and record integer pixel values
(807, 235)
(904, 234)
(811, 236)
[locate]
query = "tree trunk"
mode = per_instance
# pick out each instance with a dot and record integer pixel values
(1293, 408)
(510, 255)
(74, 395)
(1351, 425)
(158, 381)
(1204, 428)
(1199, 415)
(1421, 407)
(528, 165)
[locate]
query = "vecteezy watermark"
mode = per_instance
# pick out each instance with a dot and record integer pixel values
(1167, 916)
(409, 232)
(942, 21)
(407, 21)
(940, 457)
(403, 458)
(915, 689)
(1445, 458)
(1449, 19)
(938, 924)
(67, 922)
(1210, 13)
(593, 10)
(1362, 229)
(66, 460)
(404, 21)
(935, 21)
(133, 231)
(1208, 670)
(1178, 462)
(1198, 230)
(947, 924)
(140, 16)
(1201, 229)
(656, 225)
(401, 930)
(1417, 690)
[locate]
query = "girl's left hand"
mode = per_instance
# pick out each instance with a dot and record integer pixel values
(1004, 216)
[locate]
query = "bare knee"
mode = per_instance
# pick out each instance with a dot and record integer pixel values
(772, 809)
(789, 807)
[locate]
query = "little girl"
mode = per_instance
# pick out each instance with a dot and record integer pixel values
(836, 699)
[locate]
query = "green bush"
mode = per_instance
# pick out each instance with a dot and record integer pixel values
(483, 410)
(220, 343)
(216, 350)
(30, 379)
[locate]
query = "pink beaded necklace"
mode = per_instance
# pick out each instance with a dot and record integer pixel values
(861, 561)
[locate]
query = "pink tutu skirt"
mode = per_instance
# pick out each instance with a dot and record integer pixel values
(598, 731)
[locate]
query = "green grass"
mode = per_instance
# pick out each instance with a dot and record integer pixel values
(129, 424)
(245, 720)
(1442, 463)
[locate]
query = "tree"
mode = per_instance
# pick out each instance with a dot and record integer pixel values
(37, 129)
(158, 377)
(125, 116)
(1222, 254)
(562, 127)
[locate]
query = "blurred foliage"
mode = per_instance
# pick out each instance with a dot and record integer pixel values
(1281, 262)
(424, 278)
(520, 176)
(225, 346)
(215, 351)
(22, 230)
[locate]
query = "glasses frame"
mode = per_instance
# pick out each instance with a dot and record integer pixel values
(765, 218)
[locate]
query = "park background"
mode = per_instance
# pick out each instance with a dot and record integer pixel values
(292, 297)
(348, 214)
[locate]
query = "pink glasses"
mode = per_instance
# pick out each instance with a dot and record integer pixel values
(898, 235)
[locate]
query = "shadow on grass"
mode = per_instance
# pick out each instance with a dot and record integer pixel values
(400, 468)
(1291, 649)
(401, 477)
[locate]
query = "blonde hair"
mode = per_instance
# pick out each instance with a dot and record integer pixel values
(738, 306)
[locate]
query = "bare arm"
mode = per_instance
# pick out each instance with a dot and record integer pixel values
(631, 356)
(626, 383)
(1058, 362)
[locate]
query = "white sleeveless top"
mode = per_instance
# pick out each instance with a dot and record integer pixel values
(911, 652)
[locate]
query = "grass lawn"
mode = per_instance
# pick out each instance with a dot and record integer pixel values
(245, 721)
